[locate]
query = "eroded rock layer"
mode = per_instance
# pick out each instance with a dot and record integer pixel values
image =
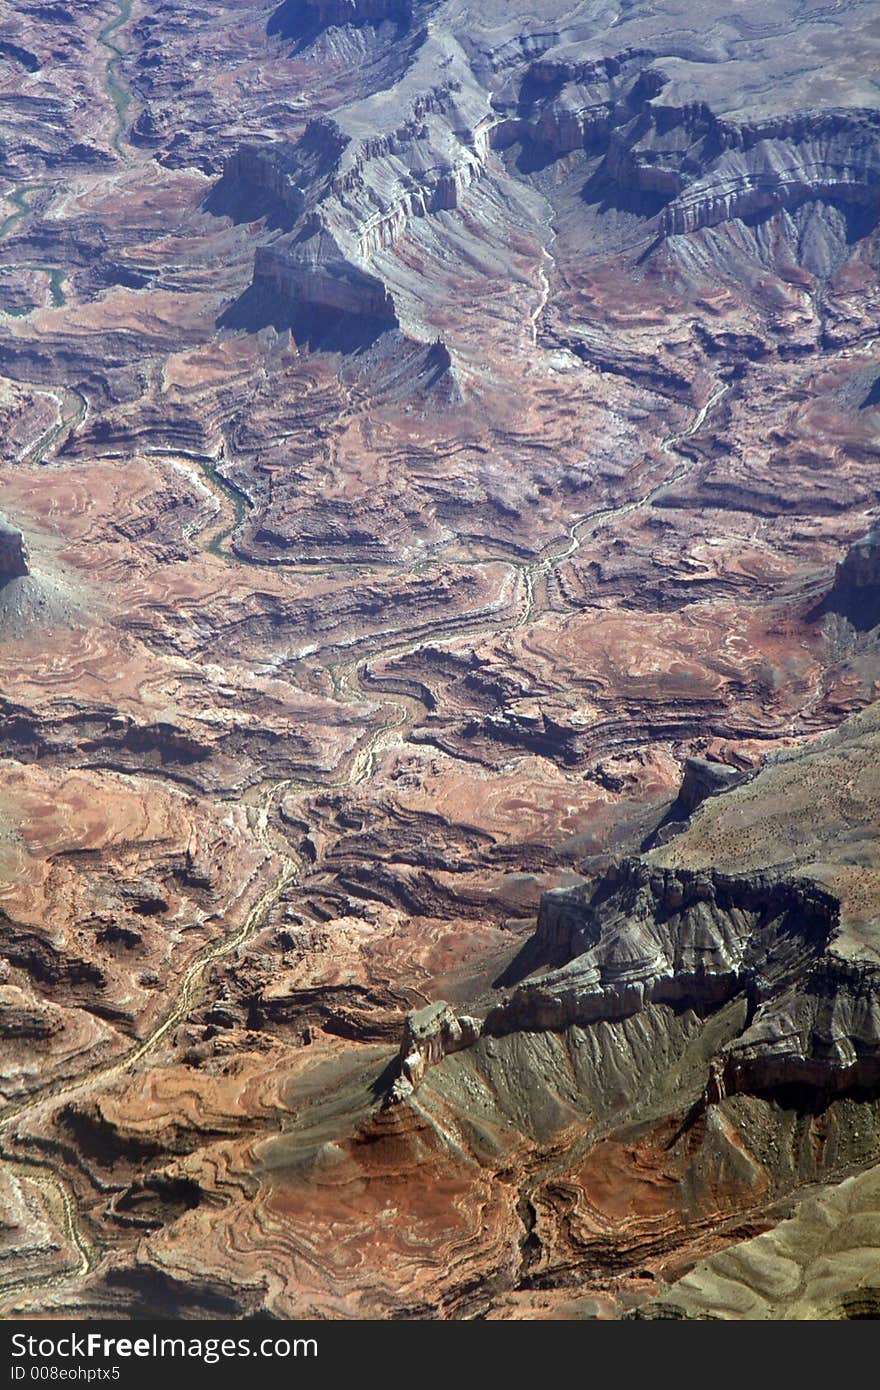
(439, 602)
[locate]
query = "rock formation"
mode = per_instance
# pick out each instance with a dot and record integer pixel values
(649, 931)
(13, 552)
(675, 937)
(350, 195)
(429, 1035)
(855, 593)
(443, 435)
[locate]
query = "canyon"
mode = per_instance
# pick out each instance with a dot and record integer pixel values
(440, 714)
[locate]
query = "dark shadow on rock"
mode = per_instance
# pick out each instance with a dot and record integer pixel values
(855, 593)
(315, 328)
(689, 1118)
(701, 780)
(386, 1078)
(814, 1101)
(298, 22)
(534, 156)
(873, 397)
(672, 824)
(151, 1293)
(529, 957)
(859, 606)
(294, 20)
(243, 201)
(856, 220)
(29, 61)
(606, 195)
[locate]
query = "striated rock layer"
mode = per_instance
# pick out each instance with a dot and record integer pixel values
(439, 650)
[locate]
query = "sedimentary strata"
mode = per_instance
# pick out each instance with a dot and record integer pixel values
(438, 847)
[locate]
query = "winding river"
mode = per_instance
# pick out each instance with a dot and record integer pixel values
(347, 684)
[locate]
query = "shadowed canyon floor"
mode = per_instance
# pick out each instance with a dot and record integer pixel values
(440, 617)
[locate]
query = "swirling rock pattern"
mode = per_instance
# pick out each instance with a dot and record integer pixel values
(439, 447)
(819, 1264)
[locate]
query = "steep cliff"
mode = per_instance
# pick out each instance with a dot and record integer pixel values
(352, 186)
(644, 935)
(429, 1035)
(299, 19)
(855, 594)
(358, 180)
(822, 1032)
(13, 552)
(725, 910)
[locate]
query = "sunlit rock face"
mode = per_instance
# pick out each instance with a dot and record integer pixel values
(681, 150)
(439, 661)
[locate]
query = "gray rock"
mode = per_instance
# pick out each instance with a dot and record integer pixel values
(644, 934)
(14, 560)
(429, 1035)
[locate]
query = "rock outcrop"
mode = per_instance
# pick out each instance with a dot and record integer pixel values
(821, 1033)
(650, 932)
(694, 166)
(855, 593)
(13, 552)
(429, 1035)
(643, 935)
(700, 780)
(350, 194)
(703, 779)
(304, 18)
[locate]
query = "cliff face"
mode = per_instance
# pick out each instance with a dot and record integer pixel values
(703, 779)
(283, 176)
(815, 1017)
(349, 190)
(655, 930)
(696, 940)
(692, 940)
(700, 780)
(298, 17)
(644, 935)
(706, 168)
(13, 552)
(318, 276)
(356, 183)
(822, 1032)
(429, 1035)
(855, 593)
(828, 156)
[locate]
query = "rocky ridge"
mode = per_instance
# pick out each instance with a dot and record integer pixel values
(350, 641)
(650, 931)
(349, 196)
